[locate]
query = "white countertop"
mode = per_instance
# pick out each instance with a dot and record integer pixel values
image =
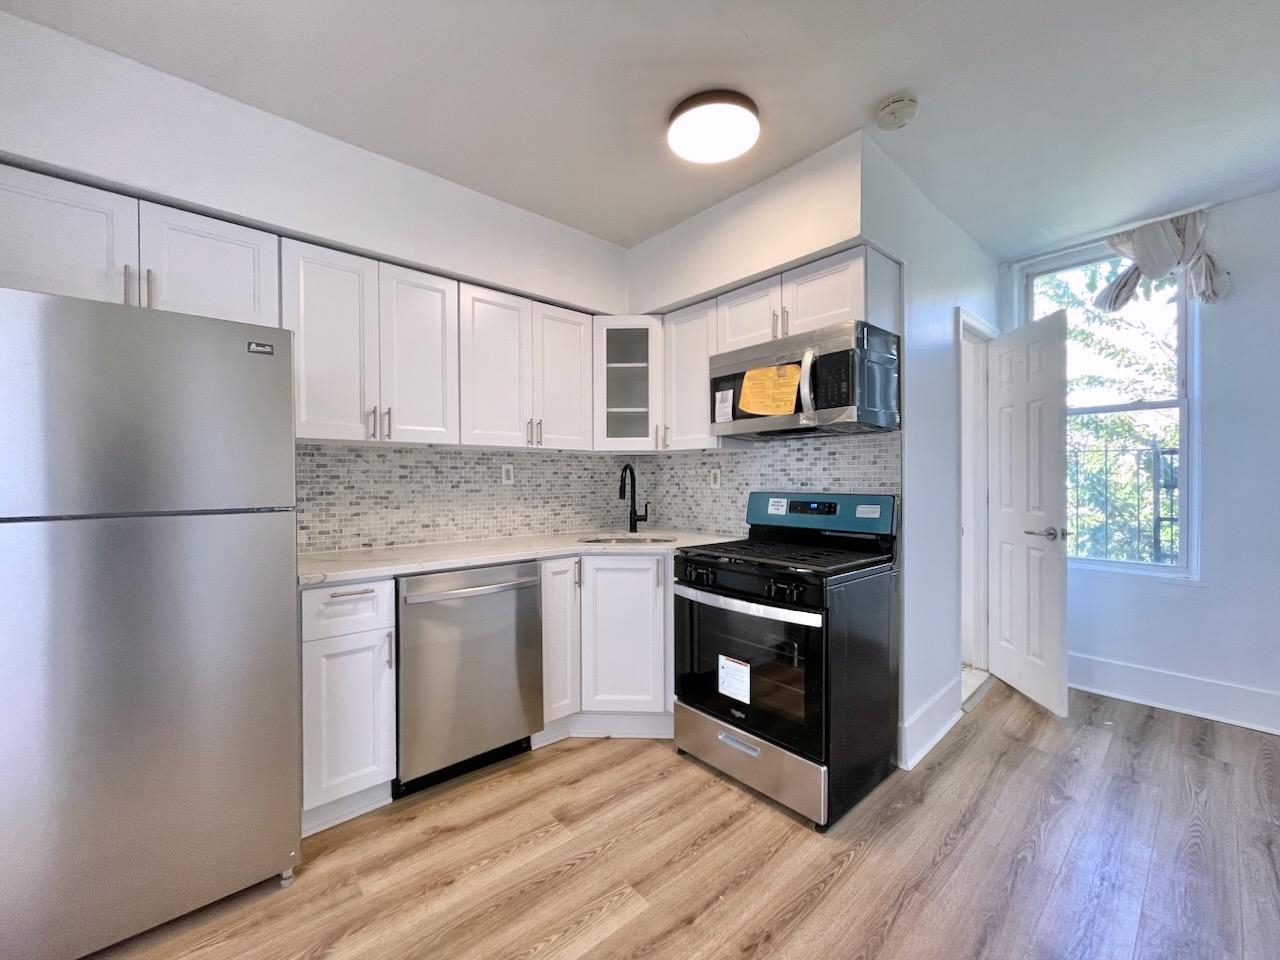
(346, 566)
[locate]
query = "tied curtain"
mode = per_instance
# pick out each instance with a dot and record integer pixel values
(1158, 249)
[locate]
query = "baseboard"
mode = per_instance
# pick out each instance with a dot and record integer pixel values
(345, 808)
(648, 726)
(925, 728)
(1233, 703)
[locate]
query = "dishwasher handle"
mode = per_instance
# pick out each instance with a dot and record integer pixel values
(466, 592)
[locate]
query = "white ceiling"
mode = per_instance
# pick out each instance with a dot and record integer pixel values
(1040, 122)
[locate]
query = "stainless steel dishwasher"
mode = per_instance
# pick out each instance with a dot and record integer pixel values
(470, 669)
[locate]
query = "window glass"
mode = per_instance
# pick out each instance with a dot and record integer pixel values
(1119, 357)
(1126, 415)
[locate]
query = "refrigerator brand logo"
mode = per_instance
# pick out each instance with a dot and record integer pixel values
(267, 349)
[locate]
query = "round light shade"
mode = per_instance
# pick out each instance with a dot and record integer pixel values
(713, 126)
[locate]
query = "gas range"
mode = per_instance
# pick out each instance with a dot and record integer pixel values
(787, 650)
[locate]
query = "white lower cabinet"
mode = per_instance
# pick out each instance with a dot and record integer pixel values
(561, 637)
(348, 715)
(623, 635)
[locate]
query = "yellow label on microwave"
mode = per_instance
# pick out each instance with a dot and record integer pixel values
(770, 391)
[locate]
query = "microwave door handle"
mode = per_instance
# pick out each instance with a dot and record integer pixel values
(806, 388)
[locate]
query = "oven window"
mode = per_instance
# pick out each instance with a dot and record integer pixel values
(759, 674)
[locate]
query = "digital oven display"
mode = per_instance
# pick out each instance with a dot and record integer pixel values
(814, 508)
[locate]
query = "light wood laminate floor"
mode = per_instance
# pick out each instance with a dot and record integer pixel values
(1124, 832)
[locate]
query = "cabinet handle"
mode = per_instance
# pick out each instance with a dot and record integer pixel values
(657, 445)
(352, 593)
(774, 328)
(666, 436)
(373, 430)
(539, 433)
(391, 650)
(151, 288)
(528, 433)
(786, 322)
(126, 284)
(388, 416)
(577, 572)
(658, 571)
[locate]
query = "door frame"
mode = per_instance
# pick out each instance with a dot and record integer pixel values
(971, 325)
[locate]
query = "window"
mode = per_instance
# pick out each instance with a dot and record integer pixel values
(1127, 415)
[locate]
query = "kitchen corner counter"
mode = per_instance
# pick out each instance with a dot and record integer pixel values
(349, 566)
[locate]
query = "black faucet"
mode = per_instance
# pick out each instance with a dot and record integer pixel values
(633, 518)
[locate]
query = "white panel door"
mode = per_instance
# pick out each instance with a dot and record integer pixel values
(831, 290)
(689, 338)
(623, 649)
(330, 302)
(561, 637)
(561, 378)
(495, 344)
(64, 238)
(348, 715)
(628, 362)
(749, 315)
(207, 267)
(418, 336)
(1027, 556)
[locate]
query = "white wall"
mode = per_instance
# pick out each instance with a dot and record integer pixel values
(1210, 646)
(798, 214)
(76, 108)
(943, 269)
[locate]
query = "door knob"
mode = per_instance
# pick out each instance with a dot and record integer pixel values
(1049, 532)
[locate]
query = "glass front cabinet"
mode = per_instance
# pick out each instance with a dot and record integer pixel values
(628, 383)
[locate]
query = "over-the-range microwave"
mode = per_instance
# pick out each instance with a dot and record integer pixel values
(846, 380)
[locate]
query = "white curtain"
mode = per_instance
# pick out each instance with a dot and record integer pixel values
(1158, 249)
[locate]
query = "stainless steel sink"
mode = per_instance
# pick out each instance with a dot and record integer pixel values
(627, 539)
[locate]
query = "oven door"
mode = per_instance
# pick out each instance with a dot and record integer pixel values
(756, 666)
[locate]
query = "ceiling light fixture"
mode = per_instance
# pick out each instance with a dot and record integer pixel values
(713, 126)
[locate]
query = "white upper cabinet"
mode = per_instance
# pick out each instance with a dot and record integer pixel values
(418, 337)
(690, 340)
(831, 290)
(628, 378)
(561, 637)
(330, 302)
(199, 265)
(623, 634)
(67, 239)
(561, 378)
(495, 346)
(749, 315)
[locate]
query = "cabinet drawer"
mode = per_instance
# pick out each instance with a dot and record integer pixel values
(340, 610)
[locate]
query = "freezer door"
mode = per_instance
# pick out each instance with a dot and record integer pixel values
(107, 409)
(150, 721)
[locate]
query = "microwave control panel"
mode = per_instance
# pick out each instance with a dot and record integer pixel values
(833, 380)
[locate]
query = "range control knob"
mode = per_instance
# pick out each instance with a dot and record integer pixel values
(785, 592)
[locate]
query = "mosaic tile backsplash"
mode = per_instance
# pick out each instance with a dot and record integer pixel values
(352, 496)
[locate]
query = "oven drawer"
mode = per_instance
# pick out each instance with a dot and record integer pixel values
(790, 779)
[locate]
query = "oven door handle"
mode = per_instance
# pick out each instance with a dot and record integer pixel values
(804, 618)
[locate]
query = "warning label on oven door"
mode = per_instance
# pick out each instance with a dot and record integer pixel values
(735, 678)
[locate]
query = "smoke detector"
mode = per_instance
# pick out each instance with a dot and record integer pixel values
(896, 112)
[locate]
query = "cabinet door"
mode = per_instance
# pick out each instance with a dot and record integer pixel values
(330, 302)
(628, 377)
(561, 378)
(199, 265)
(561, 638)
(348, 715)
(690, 339)
(749, 315)
(418, 333)
(831, 290)
(623, 661)
(495, 344)
(68, 239)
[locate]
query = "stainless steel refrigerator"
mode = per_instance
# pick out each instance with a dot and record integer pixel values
(150, 720)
